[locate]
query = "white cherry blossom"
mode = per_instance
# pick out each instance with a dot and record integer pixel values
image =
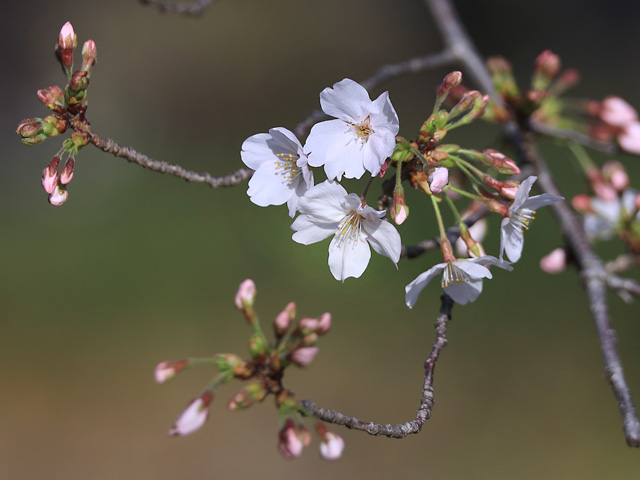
(328, 210)
(281, 171)
(361, 137)
(521, 213)
(461, 279)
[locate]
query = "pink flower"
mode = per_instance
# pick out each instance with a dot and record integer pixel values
(194, 416)
(58, 196)
(50, 175)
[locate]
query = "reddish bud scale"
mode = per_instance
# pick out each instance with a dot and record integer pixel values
(496, 206)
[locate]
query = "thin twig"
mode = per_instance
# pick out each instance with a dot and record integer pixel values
(400, 430)
(191, 9)
(110, 146)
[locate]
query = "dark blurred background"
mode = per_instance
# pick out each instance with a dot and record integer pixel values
(138, 267)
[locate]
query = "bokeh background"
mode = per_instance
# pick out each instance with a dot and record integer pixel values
(139, 267)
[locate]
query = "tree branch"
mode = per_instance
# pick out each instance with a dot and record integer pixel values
(400, 430)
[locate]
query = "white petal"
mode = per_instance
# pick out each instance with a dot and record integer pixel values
(384, 116)
(384, 238)
(348, 258)
(286, 139)
(534, 203)
(347, 100)
(323, 202)
(376, 150)
(308, 231)
(414, 288)
(255, 150)
(522, 194)
(511, 240)
(473, 269)
(267, 186)
(491, 260)
(464, 292)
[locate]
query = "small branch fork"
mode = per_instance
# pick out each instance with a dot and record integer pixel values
(400, 430)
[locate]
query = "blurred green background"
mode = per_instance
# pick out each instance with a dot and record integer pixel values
(139, 267)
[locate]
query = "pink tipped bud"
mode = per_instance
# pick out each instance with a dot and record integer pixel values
(194, 416)
(66, 175)
(331, 446)
(58, 196)
(399, 209)
(451, 81)
(89, 54)
(617, 112)
(509, 189)
(629, 139)
(67, 41)
(167, 370)
(501, 162)
(281, 324)
(438, 179)
(467, 102)
(582, 203)
(52, 97)
(29, 127)
(307, 325)
(50, 175)
(547, 65)
(292, 439)
(304, 356)
(324, 323)
(615, 174)
(554, 262)
(246, 294)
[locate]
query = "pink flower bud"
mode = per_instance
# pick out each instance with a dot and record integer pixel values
(194, 416)
(331, 446)
(501, 162)
(617, 113)
(307, 325)
(167, 370)
(547, 65)
(281, 324)
(58, 196)
(614, 172)
(246, 294)
(51, 96)
(89, 54)
(324, 323)
(50, 175)
(582, 203)
(450, 81)
(629, 139)
(554, 262)
(304, 356)
(292, 439)
(66, 175)
(399, 209)
(67, 41)
(439, 178)
(477, 231)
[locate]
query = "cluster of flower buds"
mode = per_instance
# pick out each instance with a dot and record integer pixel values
(615, 118)
(295, 344)
(614, 208)
(66, 105)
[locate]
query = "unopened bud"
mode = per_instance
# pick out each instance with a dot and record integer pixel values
(547, 66)
(582, 203)
(246, 294)
(250, 394)
(67, 41)
(466, 102)
(324, 323)
(66, 175)
(257, 346)
(29, 127)
(194, 416)
(58, 196)
(304, 356)
(452, 80)
(629, 139)
(477, 231)
(292, 439)
(399, 209)
(617, 112)
(438, 179)
(281, 324)
(615, 174)
(554, 262)
(331, 446)
(566, 80)
(52, 97)
(167, 370)
(500, 162)
(50, 175)
(89, 55)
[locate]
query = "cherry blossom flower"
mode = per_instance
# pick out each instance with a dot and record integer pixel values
(521, 213)
(604, 217)
(327, 209)
(361, 137)
(461, 279)
(629, 138)
(282, 174)
(439, 179)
